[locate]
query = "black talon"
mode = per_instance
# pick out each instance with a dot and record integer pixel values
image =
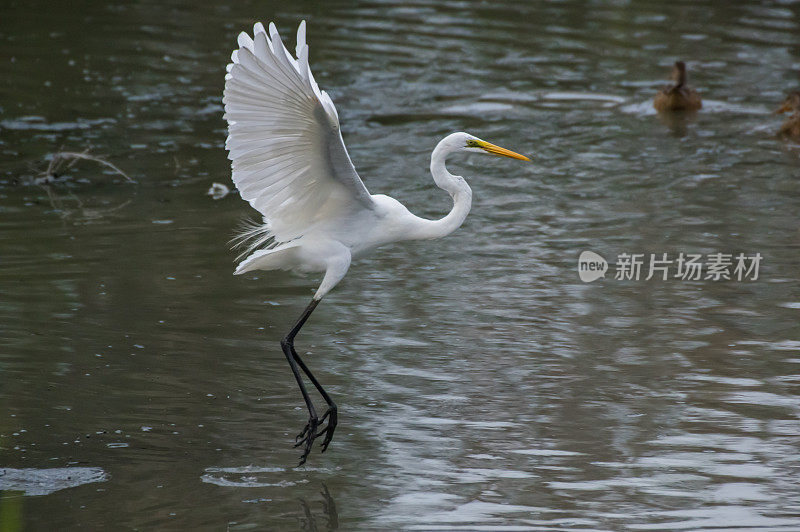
(312, 426)
(308, 440)
(302, 432)
(331, 411)
(332, 416)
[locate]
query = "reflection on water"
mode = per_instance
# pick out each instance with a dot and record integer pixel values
(481, 384)
(252, 477)
(330, 518)
(46, 481)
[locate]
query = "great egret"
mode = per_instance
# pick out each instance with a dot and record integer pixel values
(289, 161)
(678, 97)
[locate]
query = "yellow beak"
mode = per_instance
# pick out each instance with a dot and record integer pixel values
(488, 147)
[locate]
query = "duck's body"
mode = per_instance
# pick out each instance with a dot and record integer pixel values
(679, 96)
(791, 128)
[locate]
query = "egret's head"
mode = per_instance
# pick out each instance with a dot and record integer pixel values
(471, 143)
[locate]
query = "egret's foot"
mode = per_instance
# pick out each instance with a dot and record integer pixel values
(307, 438)
(333, 418)
(309, 432)
(303, 432)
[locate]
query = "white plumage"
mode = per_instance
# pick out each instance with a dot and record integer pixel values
(289, 161)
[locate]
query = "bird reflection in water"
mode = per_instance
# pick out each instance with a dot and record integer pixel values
(329, 513)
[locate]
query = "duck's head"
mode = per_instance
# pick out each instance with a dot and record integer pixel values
(792, 103)
(679, 74)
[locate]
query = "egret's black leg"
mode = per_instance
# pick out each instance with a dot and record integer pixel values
(331, 414)
(312, 413)
(309, 433)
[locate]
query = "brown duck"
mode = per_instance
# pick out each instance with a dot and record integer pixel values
(791, 128)
(678, 97)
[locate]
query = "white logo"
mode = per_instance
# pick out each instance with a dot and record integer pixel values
(591, 266)
(664, 266)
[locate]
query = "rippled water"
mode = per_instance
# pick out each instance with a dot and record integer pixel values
(481, 384)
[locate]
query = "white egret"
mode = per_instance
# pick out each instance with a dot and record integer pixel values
(289, 161)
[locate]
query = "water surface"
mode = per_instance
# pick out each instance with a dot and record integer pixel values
(481, 384)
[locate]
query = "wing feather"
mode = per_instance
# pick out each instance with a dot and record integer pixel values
(288, 157)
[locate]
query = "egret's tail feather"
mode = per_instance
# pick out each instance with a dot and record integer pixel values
(252, 236)
(281, 257)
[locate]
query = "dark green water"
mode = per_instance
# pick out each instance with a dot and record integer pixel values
(481, 384)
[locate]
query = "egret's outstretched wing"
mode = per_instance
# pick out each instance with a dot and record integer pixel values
(288, 157)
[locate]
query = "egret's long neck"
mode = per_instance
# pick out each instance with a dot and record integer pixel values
(458, 190)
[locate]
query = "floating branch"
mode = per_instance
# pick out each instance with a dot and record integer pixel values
(64, 160)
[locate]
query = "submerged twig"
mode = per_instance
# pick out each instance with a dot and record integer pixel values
(64, 160)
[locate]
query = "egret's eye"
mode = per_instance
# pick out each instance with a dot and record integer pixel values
(472, 143)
